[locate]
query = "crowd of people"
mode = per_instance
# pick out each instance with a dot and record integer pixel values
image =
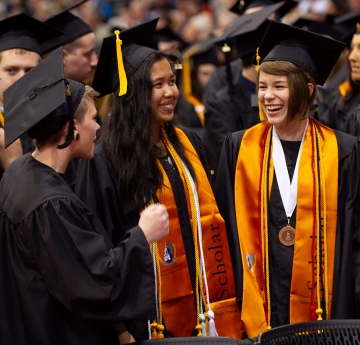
(177, 168)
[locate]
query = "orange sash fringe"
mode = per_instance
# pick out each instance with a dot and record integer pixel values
(178, 301)
(247, 198)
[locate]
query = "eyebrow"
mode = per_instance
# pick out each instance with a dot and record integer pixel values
(275, 82)
(161, 78)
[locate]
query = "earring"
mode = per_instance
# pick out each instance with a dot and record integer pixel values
(77, 136)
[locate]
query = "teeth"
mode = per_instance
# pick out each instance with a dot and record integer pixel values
(169, 106)
(273, 107)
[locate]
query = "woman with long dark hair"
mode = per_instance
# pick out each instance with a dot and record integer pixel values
(143, 159)
(288, 189)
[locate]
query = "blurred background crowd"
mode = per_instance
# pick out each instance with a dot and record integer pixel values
(192, 19)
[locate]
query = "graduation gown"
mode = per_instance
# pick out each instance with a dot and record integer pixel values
(346, 285)
(339, 112)
(62, 280)
(97, 187)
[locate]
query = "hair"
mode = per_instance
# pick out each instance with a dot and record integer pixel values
(54, 138)
(300, 100)
(128, 143)
(19, 51)
(72, 46)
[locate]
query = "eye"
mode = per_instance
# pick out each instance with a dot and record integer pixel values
(262, 87)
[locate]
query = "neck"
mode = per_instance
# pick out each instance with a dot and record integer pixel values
(53, 157)
(292, 131)
(249, 73)
(157, 140)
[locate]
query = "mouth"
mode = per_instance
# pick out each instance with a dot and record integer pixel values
(167, 106)
(273, 109)
(355, 68)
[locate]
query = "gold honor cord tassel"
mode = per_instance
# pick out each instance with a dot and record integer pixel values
(2, 122)
(120, 62)
(357, 27)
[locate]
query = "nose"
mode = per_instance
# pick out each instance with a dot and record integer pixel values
(93, 59)
(170, 90)
(97, 126)
(269, 94)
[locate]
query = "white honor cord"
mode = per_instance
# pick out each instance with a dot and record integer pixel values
(288, 191)
(202, 259)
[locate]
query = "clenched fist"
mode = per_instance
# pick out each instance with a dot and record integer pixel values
(154, 222)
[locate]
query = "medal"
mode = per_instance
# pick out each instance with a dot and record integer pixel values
(287, 235)
(288, 189)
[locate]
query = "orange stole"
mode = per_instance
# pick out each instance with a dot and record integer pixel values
(247, 199)
(178, 303)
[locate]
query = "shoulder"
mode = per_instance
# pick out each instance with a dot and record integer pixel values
(348, 145)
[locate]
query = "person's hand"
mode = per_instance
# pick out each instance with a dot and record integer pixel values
(154, 222)
(126, 338)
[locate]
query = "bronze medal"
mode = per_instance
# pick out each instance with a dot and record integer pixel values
(287, 235)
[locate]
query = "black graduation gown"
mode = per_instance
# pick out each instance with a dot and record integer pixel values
(97, 187)
(230, 111)
(352, 125)
(62, 281)
(346, 292)
(339, 112)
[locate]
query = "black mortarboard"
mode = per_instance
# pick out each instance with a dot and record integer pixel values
(203, 52)
(315, 53)
(247, 31)
(42, 101)
(242, 5)
(135, 48)
(348, 22)
(328, 28)
(71, 25)
(167, 35)
(23, 31)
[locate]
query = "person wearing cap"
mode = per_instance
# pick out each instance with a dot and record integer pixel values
(78, 41)
(63, 282)
(143, 159)
(288, 189)
(346, 97)
(234, 106)
(20, 51)
(199, 61)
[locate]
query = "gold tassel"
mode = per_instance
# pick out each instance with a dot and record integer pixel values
(261, 112)
(257, 67)
(357, 27)
(121, 69)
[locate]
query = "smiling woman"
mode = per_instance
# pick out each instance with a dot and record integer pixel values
(284, 190)
(144, 159)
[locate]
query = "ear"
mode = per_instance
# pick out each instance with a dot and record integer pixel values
(65, 56)
(76, 129)
(311, 88)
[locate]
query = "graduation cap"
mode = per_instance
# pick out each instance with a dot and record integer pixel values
(131, 46)
(71, 25)
(327, 27)
(25, 32)
(348, 23)
(167, 35)
(315, 53)
(42, 101)
(247, 31)
(241, 6)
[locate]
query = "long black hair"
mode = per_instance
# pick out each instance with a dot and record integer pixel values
(128, 140)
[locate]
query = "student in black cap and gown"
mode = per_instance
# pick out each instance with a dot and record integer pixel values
(288, 189)
(235, 106)
(80, 58)
(143, 159)
(346, 97)
(199, 61)
(63, 282)
(20, 50)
